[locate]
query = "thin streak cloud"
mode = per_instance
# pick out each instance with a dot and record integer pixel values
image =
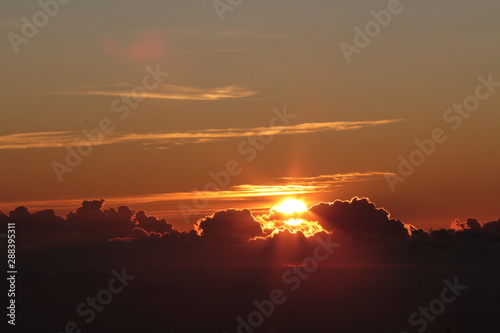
(312, 184)
(280, 187)
(327, 180)
(62, 139)
(176, 92)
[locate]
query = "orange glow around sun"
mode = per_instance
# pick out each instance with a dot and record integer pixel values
(289, 216)
(291, 206)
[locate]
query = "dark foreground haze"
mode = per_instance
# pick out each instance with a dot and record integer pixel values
(88, 274)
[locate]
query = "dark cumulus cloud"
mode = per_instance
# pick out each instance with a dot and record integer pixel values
(90, 221)
(231, 224)
(470, 224)
(34, 225)
(358, 215)
(91, 217)
(356, 221)
(122, 222)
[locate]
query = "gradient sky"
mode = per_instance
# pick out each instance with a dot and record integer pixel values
(352, 120)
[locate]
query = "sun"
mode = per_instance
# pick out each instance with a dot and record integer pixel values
(290, 211)
(289, 216)
(291, 206)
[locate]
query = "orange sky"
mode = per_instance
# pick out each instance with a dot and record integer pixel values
(265, 100)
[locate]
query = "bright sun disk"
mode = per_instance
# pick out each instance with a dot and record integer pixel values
(291, 206)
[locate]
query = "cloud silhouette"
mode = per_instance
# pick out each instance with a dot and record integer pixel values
(151, 223)
(110, 222)
(492, 227)
(470, 224)
(358, 214)
(238, 225)
(42, 222)
(366, 231)
(91, 222)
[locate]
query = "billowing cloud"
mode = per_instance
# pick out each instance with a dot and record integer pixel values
(91, 218)
(68, 138)
(358, 214)
(470, 224)
(492, 227)
(151, 223)
(356, 223)
(89, 221)
(230, 225)
(37, 223)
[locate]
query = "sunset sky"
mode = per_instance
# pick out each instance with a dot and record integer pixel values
(329, 128)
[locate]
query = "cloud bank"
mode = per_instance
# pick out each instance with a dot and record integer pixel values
(366, 231)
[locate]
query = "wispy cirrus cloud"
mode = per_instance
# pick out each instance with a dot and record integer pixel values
(277, 187)
(326, 180)
(70, 138)
(174, 92)
(39, 140)
(301, 185)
